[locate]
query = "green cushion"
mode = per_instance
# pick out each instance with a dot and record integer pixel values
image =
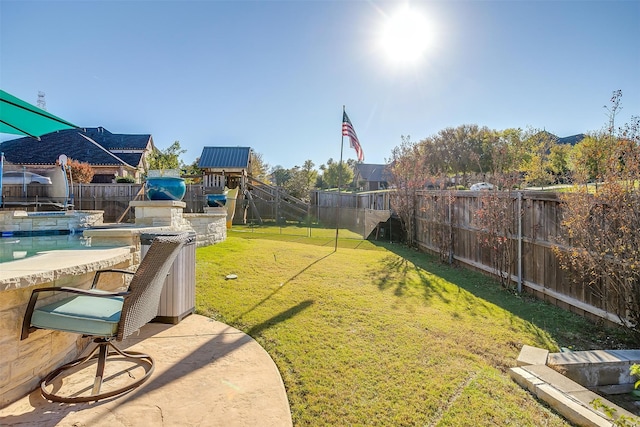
(81, 314)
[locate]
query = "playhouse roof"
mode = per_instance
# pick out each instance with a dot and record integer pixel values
(225, 158)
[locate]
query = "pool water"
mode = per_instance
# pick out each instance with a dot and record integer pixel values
(18, 247)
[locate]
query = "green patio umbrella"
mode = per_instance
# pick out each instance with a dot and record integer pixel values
(18, 117)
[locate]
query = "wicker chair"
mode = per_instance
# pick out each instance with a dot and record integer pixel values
(106, 316)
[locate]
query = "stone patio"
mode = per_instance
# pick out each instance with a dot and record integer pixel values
(206, 373)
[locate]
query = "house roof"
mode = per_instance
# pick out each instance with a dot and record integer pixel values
(112, 141)
(91, 145)
(372, 172)
(225, 158)
(573, 139)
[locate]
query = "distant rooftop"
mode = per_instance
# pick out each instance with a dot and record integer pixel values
(96, 146)
(373, 172)
(572, 140)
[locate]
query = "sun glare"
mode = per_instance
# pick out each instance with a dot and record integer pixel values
(405, 37)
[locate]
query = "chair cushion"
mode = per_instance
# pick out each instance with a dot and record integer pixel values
(81, 314)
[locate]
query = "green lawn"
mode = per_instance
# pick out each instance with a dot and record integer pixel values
(302, 230)
(383, 335)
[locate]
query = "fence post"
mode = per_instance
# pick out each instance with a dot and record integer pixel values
(450, 200)
(277, 205)
(519, 208)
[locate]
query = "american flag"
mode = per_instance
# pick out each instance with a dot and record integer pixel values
(347, 130)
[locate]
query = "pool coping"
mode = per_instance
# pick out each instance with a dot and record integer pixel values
(49, 265)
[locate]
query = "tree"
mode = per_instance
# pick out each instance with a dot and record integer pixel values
(259, 168)
(194, 171)
(166, 159)
(80, 172)
(301, 180)
(293, 184)
(461, 150)
(589, 157)
(505, 157)
(320, 177)
(407, 175)
(306, 178)
(297, 181)
(559, 161)
(497, 219)
(535, 164)
(603, 227)
(336, 171)
(280, 175)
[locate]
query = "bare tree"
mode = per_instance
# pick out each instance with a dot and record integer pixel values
(497, 219)
(406, 176)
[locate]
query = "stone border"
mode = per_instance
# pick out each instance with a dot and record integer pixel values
(22, 221)
(565, 396)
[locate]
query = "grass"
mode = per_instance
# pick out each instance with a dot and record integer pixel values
(592, 188)
(312, 230)
(381, 334)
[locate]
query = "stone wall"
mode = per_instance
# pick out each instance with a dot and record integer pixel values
(163, 216)
(25, 362)
(210, 227)
(159, 213)
(73, 221)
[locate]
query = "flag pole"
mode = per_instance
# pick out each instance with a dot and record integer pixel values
(335, 248)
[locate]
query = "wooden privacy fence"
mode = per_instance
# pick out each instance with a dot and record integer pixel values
(518, 247)
(453, 224)
(113, 199)
(358, 212)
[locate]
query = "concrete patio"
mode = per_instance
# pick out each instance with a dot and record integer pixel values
(206, 374)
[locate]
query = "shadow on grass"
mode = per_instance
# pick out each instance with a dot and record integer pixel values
(395, 274)
(265, 299)
(281, 317)
(567, 329)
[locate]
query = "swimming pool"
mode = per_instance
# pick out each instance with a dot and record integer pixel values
(18, 247)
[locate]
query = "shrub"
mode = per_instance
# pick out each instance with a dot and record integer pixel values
(603, 227)
(125, 180)
(80, 172)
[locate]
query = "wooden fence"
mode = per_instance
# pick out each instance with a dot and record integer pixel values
(447, 223)
(359, 212)
(113, 199)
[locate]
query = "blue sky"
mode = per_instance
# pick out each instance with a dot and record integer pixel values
(274, 75)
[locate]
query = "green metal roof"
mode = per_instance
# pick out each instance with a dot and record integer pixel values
(224, 158)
